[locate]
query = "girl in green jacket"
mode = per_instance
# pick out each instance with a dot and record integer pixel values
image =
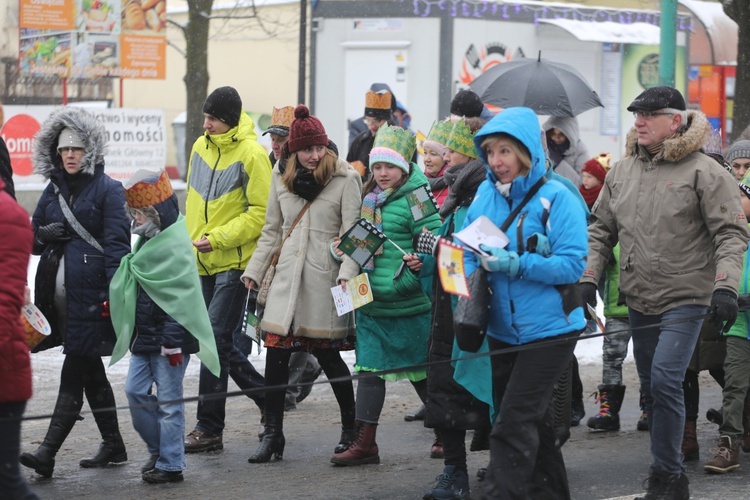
(392, 331)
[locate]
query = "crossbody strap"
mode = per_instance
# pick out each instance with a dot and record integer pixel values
(77, 227)
(275, 258)
(523, 203)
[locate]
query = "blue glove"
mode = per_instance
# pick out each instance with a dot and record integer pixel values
(539, 243)
(500, 260)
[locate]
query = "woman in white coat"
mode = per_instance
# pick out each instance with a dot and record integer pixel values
(300, 314)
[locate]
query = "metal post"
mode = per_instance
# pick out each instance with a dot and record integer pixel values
(122, 86)
(65, 91)
(668, 49)
(302, 51)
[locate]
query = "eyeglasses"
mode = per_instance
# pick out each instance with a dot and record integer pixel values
(373, 121)
(650, 114)
(70, 149)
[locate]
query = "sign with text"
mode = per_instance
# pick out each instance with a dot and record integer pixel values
(93, 38)
(137, 139)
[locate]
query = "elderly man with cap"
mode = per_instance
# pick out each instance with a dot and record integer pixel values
(229, 178)
(378, 112)
(677, 216)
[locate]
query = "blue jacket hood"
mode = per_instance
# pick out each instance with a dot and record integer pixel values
(522, 124)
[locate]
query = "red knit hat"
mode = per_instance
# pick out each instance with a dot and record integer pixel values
(595, 168)
(306, 130)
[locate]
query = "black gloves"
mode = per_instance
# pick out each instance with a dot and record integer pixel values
(588, 293)
(723, 309)
(52, 233)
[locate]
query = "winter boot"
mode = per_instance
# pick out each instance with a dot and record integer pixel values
(577, 412)
(481, 439)
(715, 416)
(452, 484)
(690, 441)
(63, 419)
(661, 485)
(609, 398)
(437, 451)
(112, 449)
(364, 449)
(348, 430)
(272, 445)
(726, 457)
(642, 424)
(746, 426)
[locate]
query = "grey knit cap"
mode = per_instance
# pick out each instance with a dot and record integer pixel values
(740, 149)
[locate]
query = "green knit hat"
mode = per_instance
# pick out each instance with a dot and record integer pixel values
(440, 132)
(461, 140)
(393, 145)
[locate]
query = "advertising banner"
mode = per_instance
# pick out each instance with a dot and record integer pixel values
(93, 38)
(137, 140)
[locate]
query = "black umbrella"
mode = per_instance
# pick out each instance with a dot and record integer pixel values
(549, 88)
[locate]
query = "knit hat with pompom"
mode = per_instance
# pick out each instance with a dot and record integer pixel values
(306, 130)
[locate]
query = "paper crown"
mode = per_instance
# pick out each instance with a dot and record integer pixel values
(440, 132)
(282, 117)
(395, 139)
(378, 104)
(461, 140)
(146, 188)
(604, 159)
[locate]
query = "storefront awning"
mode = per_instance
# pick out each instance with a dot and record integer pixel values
(608, 32)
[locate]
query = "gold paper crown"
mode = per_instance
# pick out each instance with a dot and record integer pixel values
(282, 117)
(146, 189)
(440, 132)
(604, 159)
(378, 100)
(461, 139)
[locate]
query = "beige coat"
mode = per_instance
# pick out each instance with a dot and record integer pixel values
(300, 295)
(678, 219)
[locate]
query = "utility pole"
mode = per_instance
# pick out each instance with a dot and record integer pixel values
(668, 49)
(302, 51)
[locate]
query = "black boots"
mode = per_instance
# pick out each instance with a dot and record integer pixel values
(273, 441)
(112, 449)
(348, 429)
(609, 398)
(661, 485)
(63, 419)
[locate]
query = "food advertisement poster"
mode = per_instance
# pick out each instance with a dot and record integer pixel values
(93, 38)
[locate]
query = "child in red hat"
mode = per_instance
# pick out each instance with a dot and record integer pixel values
(592, 178)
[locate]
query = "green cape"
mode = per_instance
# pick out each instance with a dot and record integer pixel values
(165, 268)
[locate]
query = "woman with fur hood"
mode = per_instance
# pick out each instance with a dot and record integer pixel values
(81, 232)
(564, 146)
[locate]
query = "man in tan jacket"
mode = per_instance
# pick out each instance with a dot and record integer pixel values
(677, 216)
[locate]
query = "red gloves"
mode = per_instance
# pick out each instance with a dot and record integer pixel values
(173, 354)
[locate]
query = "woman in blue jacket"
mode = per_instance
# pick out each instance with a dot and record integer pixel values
(79, 253)
(532, 281)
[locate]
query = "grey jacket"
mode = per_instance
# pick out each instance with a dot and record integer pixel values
(678, 219)
(576, 155)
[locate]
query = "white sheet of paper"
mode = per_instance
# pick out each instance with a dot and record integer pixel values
(482, 232)
(342, 300)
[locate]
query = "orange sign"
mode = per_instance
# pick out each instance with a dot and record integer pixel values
(93, 38)
(18, 132)
(47, 14)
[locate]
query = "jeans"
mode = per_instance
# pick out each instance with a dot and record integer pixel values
(525, 460)
(662, 355)
(615, 350)
(162, 427)
(12, 484)
(225, 296)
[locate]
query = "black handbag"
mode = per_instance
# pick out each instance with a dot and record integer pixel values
(471, 314)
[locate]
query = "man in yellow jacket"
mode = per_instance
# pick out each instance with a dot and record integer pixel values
(229, 178)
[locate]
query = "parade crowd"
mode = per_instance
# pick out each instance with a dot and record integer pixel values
(659, 236)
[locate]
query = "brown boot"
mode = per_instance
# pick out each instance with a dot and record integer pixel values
(364, 449)
(690, 441)
(437, 451)
(746, 426)
(726, 457)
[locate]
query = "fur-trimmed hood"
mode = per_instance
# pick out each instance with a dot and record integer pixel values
(44, 151)
(677, 147)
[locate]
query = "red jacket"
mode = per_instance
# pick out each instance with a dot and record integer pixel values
(15, 247)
